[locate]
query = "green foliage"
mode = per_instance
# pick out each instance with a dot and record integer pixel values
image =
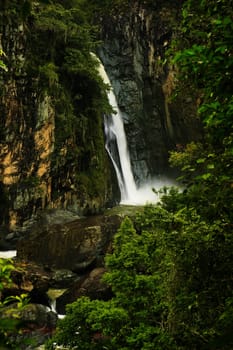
(187, 159)
(171, 273)
(11, 325)
(171, 270)
(2, 64)
(57, 61)
(21, 300)
(69, 38)
(48, 73)
(206, 60)
(120, 322)
(171, 279)
(15, 10)
(67, 71)
(76, 328)
(109, 7)
(6, 267)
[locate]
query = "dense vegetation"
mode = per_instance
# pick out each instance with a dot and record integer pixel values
(171, 270)
(10, 322)
(50, 44)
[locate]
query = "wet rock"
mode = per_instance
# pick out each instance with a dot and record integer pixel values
(63, 278)
(8, 241)
(78, 246)
(94, 287)
(36, 323)
(133, 52)
(68, 259)
(39, 314)
(90, 285)
(31, 315)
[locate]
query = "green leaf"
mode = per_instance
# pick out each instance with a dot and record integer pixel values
(206, 176)
(200, 160)
(210, 166)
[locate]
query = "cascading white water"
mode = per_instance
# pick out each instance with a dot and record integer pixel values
(115, 133)
(53, 307)
(116, 146)
(9, 254)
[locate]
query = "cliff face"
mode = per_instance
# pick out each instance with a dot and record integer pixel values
(133, 53)
(25, 152)
(52, 151)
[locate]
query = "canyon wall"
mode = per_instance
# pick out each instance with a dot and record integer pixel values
(133, 52)
(52, 152)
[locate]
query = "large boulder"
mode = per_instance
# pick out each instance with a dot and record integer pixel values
(90, 285)
(77, 246)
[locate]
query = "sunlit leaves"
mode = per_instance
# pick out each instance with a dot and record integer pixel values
(205, 61)
(6, 267)
(9, 325)
(2, 64)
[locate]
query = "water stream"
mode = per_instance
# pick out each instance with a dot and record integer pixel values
(116, 146)
(53, 308)
(8, 254)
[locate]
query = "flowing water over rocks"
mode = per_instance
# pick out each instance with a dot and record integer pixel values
(117, 148)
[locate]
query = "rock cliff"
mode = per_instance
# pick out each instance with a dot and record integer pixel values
(133, 52)
(52, 152)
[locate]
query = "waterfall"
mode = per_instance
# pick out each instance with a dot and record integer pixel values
(9, 254)
(53, 305)
(53, 308)
(53, 294)
(116, 146)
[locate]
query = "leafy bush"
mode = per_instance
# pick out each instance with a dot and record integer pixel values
(172, 286)
(10, 325)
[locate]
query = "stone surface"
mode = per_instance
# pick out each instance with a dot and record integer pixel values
(37, 323)
(38, 170)
(76, 245)
(60, 262)
(93, 286)
(32, 315)
(90, 285)
(133, 52)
